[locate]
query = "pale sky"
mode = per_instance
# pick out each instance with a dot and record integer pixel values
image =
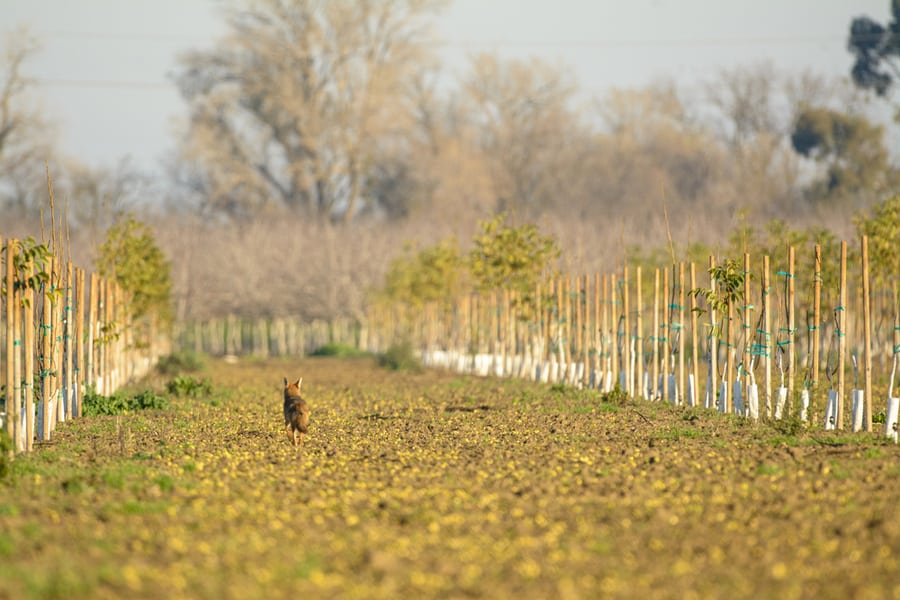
(103, 70)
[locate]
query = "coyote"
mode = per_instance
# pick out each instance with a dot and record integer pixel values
(296, 412)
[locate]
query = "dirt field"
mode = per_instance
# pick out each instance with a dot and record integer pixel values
(435, 485)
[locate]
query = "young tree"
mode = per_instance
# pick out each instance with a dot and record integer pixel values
(131, 257)
(434, 274)
(504, 257)
(883, 230)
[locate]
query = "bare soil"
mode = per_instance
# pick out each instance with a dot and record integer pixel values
(436, 485)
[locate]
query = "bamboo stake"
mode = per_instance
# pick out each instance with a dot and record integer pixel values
(665, 336)
(56, 375)
(90, 372)
(566, 315)
(585, 332)
(867, 334)
(841, 334)
(748, 337)
(574, 297)
(695, 349)
(792, 328)
(627, 350)
(12, 337)
(767, 335)
(654, 338)
(606, 363)
(28, 384)
(598, 334)
(79, 338)
(614, 331)
(67, 348)
(713, 342)
(729, 357)
(682, 388)
(46, 358)
(639, 335)
(817, 316)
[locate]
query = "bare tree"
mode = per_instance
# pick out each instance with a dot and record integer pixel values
(745, 98)
(527, 129)
(289, 110)
(96, 196)
(25, 136)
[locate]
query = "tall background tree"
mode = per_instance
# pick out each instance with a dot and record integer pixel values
(292, 108)
(26, 136)
(877, 51)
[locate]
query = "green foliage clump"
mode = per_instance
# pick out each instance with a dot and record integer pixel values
(131, 257)
(511, 258)
(6, 450)
(400, 357)
(433, 274)
(94, 404)
(187, 385)
(850, 146)
(729, 280)
(773, 241)
(185, 361)
(616, 396)
(883, 231)
(338, 350)
(503, 257)
(31, 254)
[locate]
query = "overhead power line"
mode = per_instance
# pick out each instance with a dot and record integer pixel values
(624, 43)
(100, 83)
(791, 39)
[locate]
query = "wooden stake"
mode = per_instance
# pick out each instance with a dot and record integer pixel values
(639, 335)
(791, 330)
(713, 341)
(748, 336)
(695, 346)
(682, 331)
(841, 316)
(817, 316)
(28, 349)
(666, 337)
(867, 334)
(12, 337)
(654, 338)
(627, 341)
(767, 336)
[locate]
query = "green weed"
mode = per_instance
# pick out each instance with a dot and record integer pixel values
(189, 386)
(184, 361)
(400, 357)
(339, 351)
(94, 404)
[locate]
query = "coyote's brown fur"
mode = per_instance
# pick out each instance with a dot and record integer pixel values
(296, 412)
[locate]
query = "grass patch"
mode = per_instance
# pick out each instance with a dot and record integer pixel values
(768, 469)
(339, 351)
(177, 363)
(94, 404)
(189, 386)
(680, 433)
(400, 357)
(6, 448)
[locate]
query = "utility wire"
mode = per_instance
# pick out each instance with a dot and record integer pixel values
(500, 42)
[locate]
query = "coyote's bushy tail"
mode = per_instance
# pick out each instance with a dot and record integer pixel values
(296, 412)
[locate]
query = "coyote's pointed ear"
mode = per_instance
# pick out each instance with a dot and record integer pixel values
(299, 381)
(285, 382)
